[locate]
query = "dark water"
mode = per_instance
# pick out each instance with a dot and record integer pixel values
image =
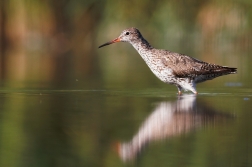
(125, 128)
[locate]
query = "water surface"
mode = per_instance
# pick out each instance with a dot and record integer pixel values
(124, 127)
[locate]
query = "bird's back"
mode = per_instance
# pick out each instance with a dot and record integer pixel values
(183, 66)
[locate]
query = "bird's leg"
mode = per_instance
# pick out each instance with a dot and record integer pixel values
(179, 90)
(193, 87)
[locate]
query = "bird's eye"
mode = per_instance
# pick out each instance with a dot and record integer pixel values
(127, 33)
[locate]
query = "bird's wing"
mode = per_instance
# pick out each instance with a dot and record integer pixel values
(183, 66)
(186, 66)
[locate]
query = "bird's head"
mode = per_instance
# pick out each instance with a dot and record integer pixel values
(127, 35)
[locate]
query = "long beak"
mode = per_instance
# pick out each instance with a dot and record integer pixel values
(108, 43)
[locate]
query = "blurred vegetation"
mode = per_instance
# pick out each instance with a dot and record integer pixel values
(54, 43)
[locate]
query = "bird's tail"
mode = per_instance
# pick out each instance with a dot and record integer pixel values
(224, 70)
(215, 72)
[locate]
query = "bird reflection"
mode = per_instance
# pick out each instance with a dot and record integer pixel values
(167, 120)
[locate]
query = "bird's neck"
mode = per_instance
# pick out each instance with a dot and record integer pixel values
(146, 52)
(142, 46)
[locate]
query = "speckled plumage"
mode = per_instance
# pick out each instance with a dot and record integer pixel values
(172, 68)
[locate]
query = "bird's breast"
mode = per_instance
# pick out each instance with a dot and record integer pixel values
(164, 74)
(156, 65)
